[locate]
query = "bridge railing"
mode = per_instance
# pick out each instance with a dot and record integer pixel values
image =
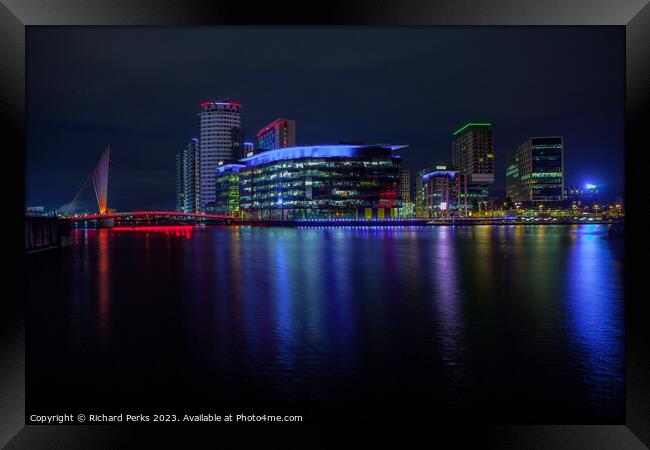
(148, 214)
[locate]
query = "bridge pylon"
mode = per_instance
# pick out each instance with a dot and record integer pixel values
(100, 181)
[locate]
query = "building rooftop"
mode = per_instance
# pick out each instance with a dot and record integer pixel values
(317, 151)
(471, 124)
(224, 103)
(439, 173)
(232, 167)
(271, 125)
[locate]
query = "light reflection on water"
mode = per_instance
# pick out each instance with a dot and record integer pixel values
(595, 317)
(360, 320)
(446, 302)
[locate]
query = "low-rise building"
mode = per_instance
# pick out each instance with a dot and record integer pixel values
(330, 181)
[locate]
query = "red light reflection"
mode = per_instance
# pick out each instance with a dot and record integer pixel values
(184, 231)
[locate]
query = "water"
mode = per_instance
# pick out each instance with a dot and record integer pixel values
(486, 324)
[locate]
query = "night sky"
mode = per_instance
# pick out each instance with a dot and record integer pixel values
(138, 90)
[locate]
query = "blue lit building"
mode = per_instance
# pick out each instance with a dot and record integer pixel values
(586, 195)
(332, 181)
(439, 191)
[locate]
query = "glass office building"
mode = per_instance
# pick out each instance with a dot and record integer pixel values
(227, 191)
(187, 177)
(281, 133)
(535, 171)
(473, 156)
(334, 181)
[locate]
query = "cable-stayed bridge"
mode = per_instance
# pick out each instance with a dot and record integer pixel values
(106, 217)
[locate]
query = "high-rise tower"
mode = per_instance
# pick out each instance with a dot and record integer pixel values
(180, 179)
(187, 177)
(535, 170)
(216, 121)
(473, 156)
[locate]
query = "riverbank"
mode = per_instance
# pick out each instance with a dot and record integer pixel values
(424, 222)
(68, 225)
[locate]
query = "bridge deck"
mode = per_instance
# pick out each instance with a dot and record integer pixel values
(150, 214)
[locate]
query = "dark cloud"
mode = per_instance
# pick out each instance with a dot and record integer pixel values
(138, 90)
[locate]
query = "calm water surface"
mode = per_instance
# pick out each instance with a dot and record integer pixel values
(499, 324)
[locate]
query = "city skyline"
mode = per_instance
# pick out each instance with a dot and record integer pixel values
(144, 148)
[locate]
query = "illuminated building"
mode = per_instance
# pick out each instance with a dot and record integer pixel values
(227, 190)
(419, 197)
(180, 180)
(216, 120)
(585, 195)
(39, 211)
(473, 156)
(407, 208)
(192, 176)
(346, 181)
(187, 177)
(535, 171)
(405, 185)
(281, 133)
(440, 191)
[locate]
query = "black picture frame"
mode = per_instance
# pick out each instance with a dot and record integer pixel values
(634, 15)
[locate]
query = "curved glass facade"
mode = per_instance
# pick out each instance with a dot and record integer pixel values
(321, 182)
(227, 191)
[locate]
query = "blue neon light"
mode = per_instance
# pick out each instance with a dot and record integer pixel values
(325, 151)
(439, 173)
(230, 167)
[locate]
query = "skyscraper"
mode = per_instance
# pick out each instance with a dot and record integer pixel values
(280, 133)
(535, 170)
(473, 155)
(216, 121)
(192, 176)
(187, 177)
(180, 180)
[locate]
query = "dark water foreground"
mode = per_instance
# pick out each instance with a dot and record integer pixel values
(496, 324)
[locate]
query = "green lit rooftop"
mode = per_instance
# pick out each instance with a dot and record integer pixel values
(472, 124)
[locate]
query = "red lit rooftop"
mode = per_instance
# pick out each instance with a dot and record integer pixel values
(204, 104)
